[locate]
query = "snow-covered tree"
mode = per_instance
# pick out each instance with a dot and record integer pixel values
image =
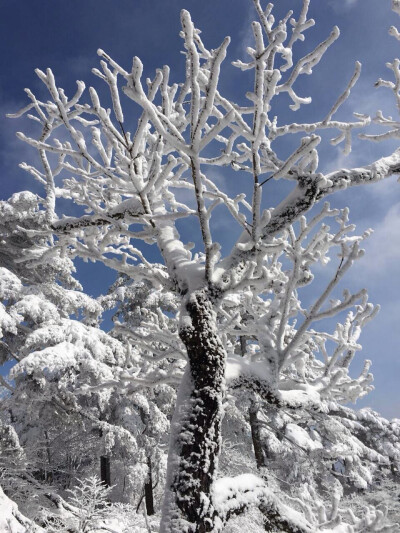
(47, 332)
(45, 326)
(130, 185)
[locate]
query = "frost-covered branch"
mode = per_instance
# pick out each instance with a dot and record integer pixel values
(196, 312)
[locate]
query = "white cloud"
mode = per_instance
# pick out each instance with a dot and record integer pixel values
(339, 5)
(383, 247)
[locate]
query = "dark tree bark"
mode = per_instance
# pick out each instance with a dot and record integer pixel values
(105, 470)
(148, 486)
(105, 467)
(243, 345)
(148, 490)
(256, 435)
(196, 442)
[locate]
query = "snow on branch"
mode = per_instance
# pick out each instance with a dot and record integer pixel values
(235, 495)
(311, 514)
(134, 188)
(280, 349)
(391, 125)
(113, 167)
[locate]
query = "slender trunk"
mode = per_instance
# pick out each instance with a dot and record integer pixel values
(243, 345)
(105, 467)
(13, 419)
(148, 486)
(253, 418)
(196, 427)
(148, 491)
(49, 472)
(105, 470)
(256, 435)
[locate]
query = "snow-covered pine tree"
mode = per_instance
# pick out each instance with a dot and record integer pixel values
(44, 328)
(128, 182)
(47, 334)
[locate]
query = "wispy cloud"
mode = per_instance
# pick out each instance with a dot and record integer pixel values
(383, 248)
(340, 5)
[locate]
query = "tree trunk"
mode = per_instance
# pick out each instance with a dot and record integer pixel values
(196, 426)
(256, 435)
(148, 491)
(49, 471)
(105, 470)
(148, 486)
(243, 345)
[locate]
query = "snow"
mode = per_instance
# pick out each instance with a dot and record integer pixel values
(72, 300)
(227, 488)
(247, 490)
(126, 189)
(7, 322)
(36, 308)
(11, 520)
(72, 345)
(301, 437)
(307, 397)
(51, 360)
(188, 273)
(238, 367)
(10, 285)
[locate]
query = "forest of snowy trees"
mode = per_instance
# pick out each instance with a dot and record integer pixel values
(220, 397)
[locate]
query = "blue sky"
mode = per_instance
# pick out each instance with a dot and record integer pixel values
(65, 36)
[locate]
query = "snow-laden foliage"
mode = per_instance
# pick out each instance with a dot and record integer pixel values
(214, 319)
(57, 360)
(53, 355)
(87, 505)
(88, 509)
(11, 520)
